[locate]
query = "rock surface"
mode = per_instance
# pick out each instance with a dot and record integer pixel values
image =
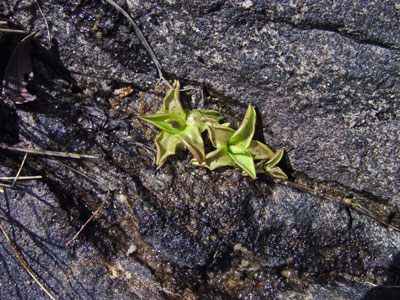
(324, 78)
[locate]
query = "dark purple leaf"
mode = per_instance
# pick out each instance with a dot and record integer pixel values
(19, 72)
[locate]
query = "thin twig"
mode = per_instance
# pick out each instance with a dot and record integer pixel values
(346, 201)
(6, 185)
(45, 21)
(88, 221)
(147, 148)
(83, 174)
(13, 31)
(19, 170)
(372, 215)
(24, 264)
(9, 178)
(383, 286)
(141, 37)
(97, 210)
(16, 187)
(48, 152)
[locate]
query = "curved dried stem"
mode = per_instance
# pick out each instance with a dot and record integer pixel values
(45, 20)
(141, 37)
(97, 210)
(24, 263)
(345, 201)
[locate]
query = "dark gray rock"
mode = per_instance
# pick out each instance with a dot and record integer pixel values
(323, 77)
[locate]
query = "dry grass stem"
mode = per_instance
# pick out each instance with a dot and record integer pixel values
(97, 210)
(83, 174)
(345, 201)
(24, 264)
(48, 152)
(88, 221)
(6, 185)
(14, 31)
(142, 39)
(9, 178)
(20, 169)
(45, 21)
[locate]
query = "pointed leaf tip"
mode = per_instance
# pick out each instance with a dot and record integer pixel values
(191, 138)
(243, 159)
(276, 172)
(260, 150)
(244, 134)
(172, 103)
(276, 158)
(167, 122)
(166, 144)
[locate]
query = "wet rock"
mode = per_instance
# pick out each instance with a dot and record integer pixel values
(324, 80)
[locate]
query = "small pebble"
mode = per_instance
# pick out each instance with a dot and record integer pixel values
(132, 248)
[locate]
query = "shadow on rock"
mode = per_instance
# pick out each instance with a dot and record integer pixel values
(390, 290)
(9, 131)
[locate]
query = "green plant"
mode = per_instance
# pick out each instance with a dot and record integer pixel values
(179, 127)
(236, 148)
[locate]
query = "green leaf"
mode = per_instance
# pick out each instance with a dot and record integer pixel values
(219, 134)
(276, 172)
(200, 117)
(260, 168)
(172, 103)
(260, 151)
(167, 122)
(191, 138)
(243, 159)
(275, 159)
(244, 134)
(166, 145)
(216, 159)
